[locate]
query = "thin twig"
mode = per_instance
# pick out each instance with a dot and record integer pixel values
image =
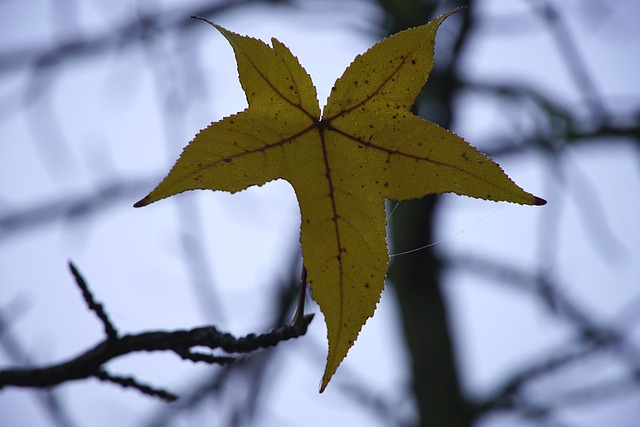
(298, 319)
(197, 356)
(129, 382)
(89, 363)
(97, 308)
(51, 401)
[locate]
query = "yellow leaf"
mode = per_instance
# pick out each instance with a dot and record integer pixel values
(367, 146)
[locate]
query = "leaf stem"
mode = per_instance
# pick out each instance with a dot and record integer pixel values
(298, 319)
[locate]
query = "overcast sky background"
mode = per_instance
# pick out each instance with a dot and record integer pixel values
(110, 124)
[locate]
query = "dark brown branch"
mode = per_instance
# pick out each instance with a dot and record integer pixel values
(94, 306)
(197, 356)
(90, 362)
(50, 401)
(247, 379)
(129, 382)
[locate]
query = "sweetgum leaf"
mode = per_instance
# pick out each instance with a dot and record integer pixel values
(366, 146)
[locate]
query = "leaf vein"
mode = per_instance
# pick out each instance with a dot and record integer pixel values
(343, 112)
(396, 152)
(280, 94)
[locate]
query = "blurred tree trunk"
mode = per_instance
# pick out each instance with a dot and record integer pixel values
(417, 277)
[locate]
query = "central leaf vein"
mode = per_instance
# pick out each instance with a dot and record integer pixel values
(335, 224)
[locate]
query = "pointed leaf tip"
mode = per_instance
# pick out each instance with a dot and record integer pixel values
(326, 378)
(538, 201)
(140, 203)
(202, 19)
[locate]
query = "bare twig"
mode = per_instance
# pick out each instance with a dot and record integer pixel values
(246, 373)
(91, 362)
(198, 356)
(88, 364)
(94, 306)
(129, 382)
(52, 403)
(298, 318)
